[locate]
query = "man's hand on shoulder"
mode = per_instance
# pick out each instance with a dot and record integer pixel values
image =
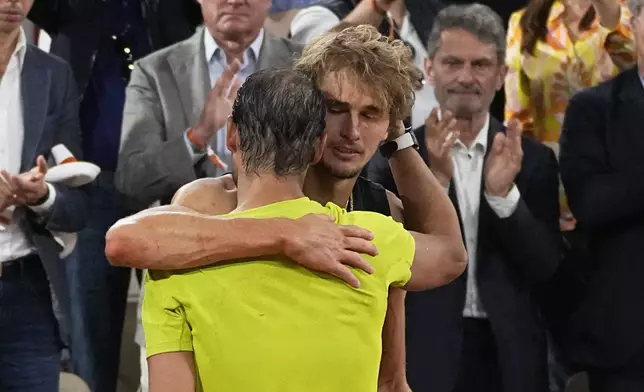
(317, 243)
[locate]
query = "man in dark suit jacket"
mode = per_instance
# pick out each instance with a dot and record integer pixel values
(482, 332)
(602, 169)
(38, 110)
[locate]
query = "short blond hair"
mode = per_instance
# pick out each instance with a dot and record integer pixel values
(384, 68)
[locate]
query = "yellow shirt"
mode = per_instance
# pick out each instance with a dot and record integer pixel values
(270, 325)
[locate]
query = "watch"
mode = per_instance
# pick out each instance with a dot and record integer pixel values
(406, 140)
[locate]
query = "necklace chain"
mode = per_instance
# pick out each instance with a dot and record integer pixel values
(349, 206)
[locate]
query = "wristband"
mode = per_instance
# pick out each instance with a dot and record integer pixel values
(194, 140)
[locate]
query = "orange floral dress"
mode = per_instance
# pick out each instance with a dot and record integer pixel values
(538, 86)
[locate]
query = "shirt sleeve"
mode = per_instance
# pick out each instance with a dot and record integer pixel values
(504, 207)
(164, 319)
(312, 22)
(517, 99)
(403, 249)
(48, 204)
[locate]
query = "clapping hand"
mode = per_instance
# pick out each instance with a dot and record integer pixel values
(440, 136)
(23, 189)
(504, 162)
(219, 104)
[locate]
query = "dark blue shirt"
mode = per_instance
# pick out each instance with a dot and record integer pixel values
(101, 111)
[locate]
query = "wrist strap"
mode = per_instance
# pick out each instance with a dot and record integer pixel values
(194, 140)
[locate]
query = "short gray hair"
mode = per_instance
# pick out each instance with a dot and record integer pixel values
(635, 6)
(477, 19)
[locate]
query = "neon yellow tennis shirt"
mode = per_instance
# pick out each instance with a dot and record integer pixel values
(270, 325)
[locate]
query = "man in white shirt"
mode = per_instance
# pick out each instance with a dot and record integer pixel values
(38, 109)
(483, 332)
(408, 20)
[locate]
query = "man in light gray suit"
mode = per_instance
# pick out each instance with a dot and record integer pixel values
(38, 110)
(179, 98)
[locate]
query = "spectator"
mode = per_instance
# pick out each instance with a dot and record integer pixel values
(168, 112)
(101, 39)
(38, 110)
(601, 163)
(409, 20)
(556, 48)
(483, 332)
(504, 8)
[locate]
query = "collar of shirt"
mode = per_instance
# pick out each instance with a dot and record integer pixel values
(21, 49)
(213, 49)
(481, 138)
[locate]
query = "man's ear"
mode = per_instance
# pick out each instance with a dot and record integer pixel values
(232, 136)
(319, 149)
(429, 70)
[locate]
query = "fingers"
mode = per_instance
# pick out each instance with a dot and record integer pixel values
(222, 86)
(361, 246)
(449, 142)
(356, 232)
(431, 121)
(355, 260)
(498, 143)
(233, 90)
(41, 163)
(342, 272)
(6, 183)
(28, 184)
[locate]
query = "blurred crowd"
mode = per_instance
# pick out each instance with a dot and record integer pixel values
(508, 129)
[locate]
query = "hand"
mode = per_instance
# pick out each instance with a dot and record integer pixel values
(219, 104)
(317, 243)
(440, 136)
(396, 131)
(24, 189)
(504, 162)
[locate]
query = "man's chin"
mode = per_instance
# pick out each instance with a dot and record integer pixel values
(341, 173)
